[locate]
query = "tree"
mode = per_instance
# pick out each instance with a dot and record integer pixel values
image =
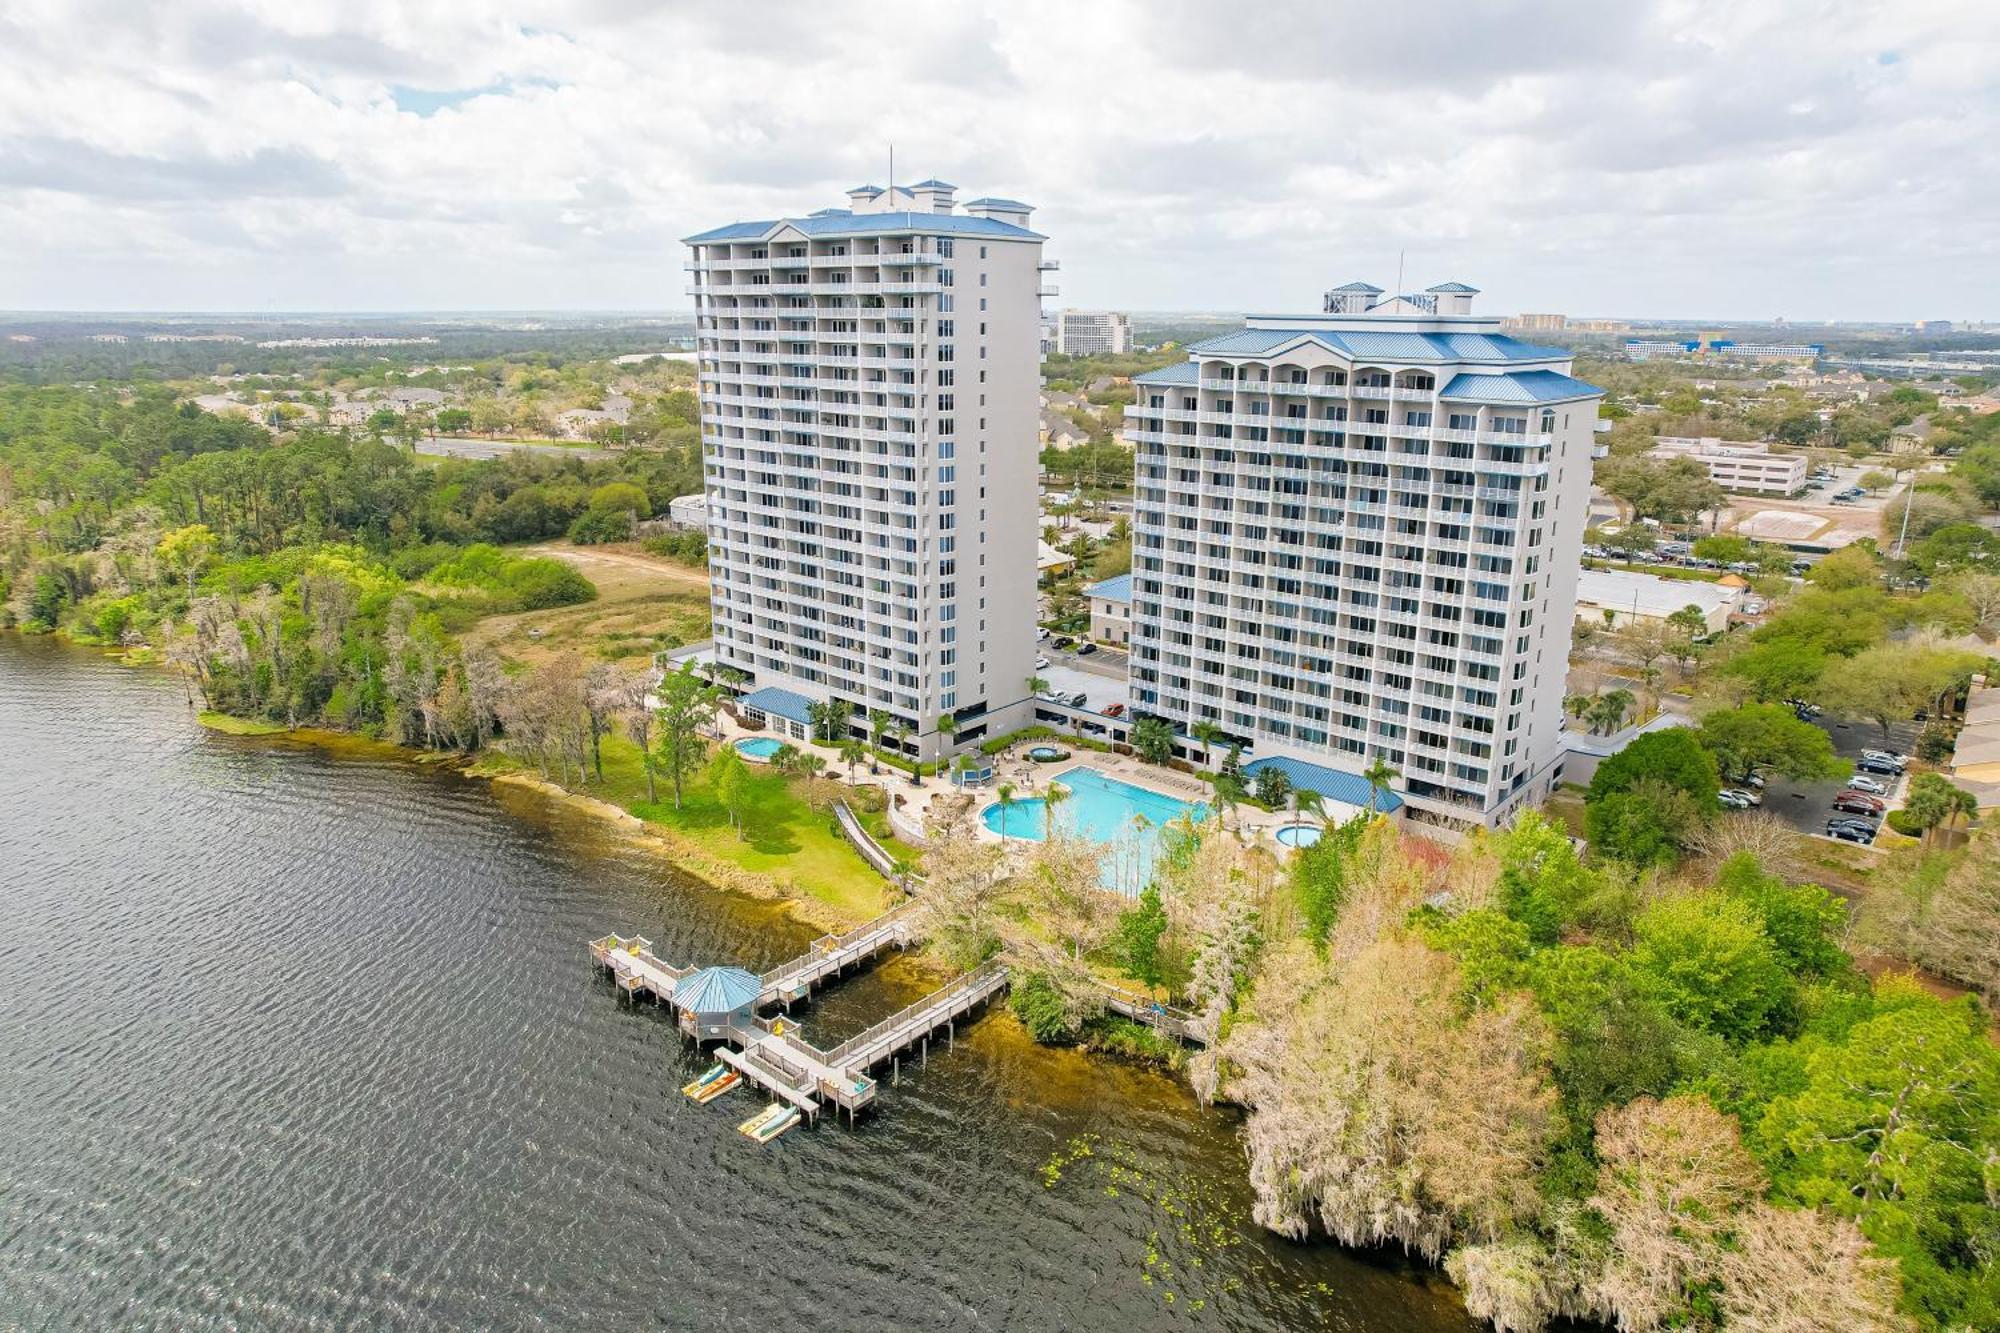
(1776, 670)
(962, 889)
(1769, 738)
(829, 718)
(1711, 964)
(1891, 682)
(1207, 734)
(1273, 786)
(1874, 480)
(947, 726)
(1849, 567)
(1153, 738)
(636, 712)
(1650, 823)
(687, 709)
(1934, 801)
(1138, 937)
(1673, 756)
(1378, 775)
(1672, 1176)
(730, 777)
(1607, 711)
(187, 551)
(852, 752)
(879, 722)
(1723, 549)
(1832, 1280)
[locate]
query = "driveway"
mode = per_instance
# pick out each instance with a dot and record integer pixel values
(1806, 807)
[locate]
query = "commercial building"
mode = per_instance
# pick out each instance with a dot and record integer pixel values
(1535, 323)
(1356, 536)
(1975, 759)
(1649, 349)
(869, 376)
(1616, 597)
(1093, 333)
(689, 511)
(1745, 466)
(1111, 610)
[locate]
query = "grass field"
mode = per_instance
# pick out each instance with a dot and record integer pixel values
(794, 846)
(644, 604)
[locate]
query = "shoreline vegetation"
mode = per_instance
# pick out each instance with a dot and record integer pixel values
(1622, 1083)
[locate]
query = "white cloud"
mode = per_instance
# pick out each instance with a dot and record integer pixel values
(1689, 157)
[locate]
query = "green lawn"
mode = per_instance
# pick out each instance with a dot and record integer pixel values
(241, 726)
(783, 839)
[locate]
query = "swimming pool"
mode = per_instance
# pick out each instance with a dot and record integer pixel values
(759, 747)
(1299, 835)
(1117, 814)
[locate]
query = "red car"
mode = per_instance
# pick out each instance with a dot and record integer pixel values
(1858, 803)
(1115, 710)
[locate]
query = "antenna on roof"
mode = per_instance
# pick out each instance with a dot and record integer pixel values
(1399, 271)
(892, 175)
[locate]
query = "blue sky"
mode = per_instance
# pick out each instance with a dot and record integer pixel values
(1685, 159)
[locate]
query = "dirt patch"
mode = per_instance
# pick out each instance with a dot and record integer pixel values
(644, 605)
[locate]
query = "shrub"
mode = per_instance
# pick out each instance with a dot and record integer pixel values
(1039, 1005)
(687, 548)
(596, 526)
(1904, 823)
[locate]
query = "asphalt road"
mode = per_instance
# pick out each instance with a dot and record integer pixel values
(1806, 807)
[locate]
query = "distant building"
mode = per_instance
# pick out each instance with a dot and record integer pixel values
(1535, 323)
(689, 511)
(1649, 349)
(1614, 597)
(1747, 467)
(1111, 610)
(1093, 333)
(1933, 326)
(1975, 760)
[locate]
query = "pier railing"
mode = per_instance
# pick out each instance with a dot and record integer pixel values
(920, 1017)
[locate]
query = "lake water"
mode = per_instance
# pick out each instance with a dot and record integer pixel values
(304, 1036)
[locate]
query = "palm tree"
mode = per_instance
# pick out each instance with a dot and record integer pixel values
(1036, 685)
(1057, 794)
(1305, 800)
(1208, 734)
(1229, 793)
(851, 753)
(947, 726)
(809, 767)
(1378, 775)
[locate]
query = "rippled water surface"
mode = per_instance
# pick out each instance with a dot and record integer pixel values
(304, 1036)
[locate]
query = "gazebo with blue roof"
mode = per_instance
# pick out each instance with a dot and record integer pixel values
(788, 712)
(716, 1000)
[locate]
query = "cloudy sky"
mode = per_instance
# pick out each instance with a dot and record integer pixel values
(1690, 158)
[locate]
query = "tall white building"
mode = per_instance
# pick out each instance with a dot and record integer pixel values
(1093, 333)
(869, 380)
(1356, 535)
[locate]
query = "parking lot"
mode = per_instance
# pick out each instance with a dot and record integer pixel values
(1807, 807)
(1066, 678)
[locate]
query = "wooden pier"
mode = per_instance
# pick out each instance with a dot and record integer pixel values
(638, 971)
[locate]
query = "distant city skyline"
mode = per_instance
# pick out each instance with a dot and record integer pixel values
(1689, 160)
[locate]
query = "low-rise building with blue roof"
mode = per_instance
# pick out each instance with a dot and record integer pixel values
(1356, 538)
(1111, 610)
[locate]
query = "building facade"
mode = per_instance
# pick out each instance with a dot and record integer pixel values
(869, 379)
(1749, 467)
(1093, 333)
(1356, 535)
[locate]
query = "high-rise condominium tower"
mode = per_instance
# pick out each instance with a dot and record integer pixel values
(1356, 537)
(869, 380)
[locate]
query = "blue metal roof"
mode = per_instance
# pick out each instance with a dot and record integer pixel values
(933, 184)
(1359, 287)
(718, 990)
(842, 223)
(1457, 288)
(1184, 372)
(1117, 588)
(1347, 788)
(1518, 386)
(1385, 345)
(781, 703)
(991, 202)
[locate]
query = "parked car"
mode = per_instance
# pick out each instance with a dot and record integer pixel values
(1065, 643)
(1042, 634)
(1115, 710)
(1079, 699)
(1750, 794)
(1732, 799)
(1861, 783)
(1884, 757)
(1858, 803)
(1753, 606)
(1889, 768)
(1041, 662)
(1049, 697)
(1085, 649)
(1861, 833)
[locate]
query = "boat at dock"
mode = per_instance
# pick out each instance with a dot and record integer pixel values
(713, 1084)
(770, 1122)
